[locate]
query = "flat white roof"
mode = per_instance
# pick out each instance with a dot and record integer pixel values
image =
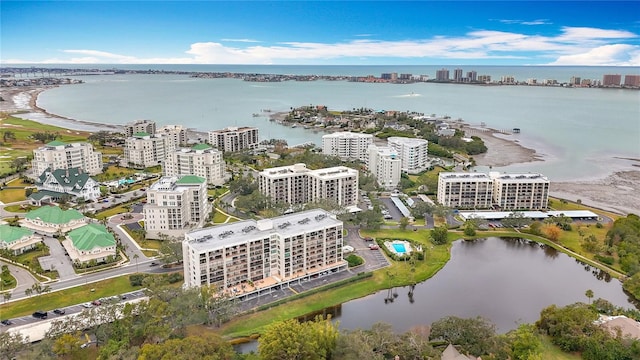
(463, 175)
(497, 215)
(244, 231)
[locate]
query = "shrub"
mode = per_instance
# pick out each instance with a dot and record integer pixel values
(136, 279)
(604, 259)
(354, 260)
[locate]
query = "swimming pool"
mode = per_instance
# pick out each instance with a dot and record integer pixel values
(125, 181)
(399, 248)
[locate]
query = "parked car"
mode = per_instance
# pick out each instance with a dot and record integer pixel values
(374, 247)
(368, 238)
(59, 311)
(96, 303)
(153, 263)
(123, 297)
(40, 314)
(6, 322)
(86, 305)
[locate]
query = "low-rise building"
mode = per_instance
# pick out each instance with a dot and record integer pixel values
(385, 165)
(347, 145)
(246, 257)
(60, 155)
(413, 153)
(296, 184)
(175, 205)
(17, 240)
(200, 160)
(234, 138)
(520, 191)
(91, 242)
(465, 190)
(73, 182)
(51, 220)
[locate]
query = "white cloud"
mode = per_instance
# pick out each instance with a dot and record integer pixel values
(611, 55)
(574, 46)
(241, 40)
(524, 22)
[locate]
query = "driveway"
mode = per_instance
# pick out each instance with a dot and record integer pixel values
(23, 277)
(373, 259)
(393, 210)
(57, 259)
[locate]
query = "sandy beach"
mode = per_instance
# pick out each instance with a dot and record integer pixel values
(619, 192)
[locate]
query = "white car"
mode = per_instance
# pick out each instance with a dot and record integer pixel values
(87, 305)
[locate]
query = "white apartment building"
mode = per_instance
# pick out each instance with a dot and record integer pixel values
(139, 126)
(250, 257)
(177, 132)
(60, 155)
(200, 160)
(347, 145)
(175, 204)
(146, 150)
(412, 152)
(465, 190)
(385, 165)
(520, 191)
(234, 138)
(296, 184)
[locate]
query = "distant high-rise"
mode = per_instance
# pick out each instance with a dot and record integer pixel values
(234, 138)
(442, 75)
(472, 76)
(575, 80)
(140, 126)
(457, 75)
(632, 80)
(611, 80)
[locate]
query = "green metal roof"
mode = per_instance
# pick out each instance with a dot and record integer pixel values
(56, 143)
(141, 134)
(68, 178)
(91, 236)
(54, 215)
(190, 179)
(9, 234)
(201, 147)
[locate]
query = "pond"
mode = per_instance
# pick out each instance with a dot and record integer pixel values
(508, 281)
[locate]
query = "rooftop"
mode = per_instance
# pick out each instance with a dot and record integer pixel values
(347, 134)
(56, 143)
(91, 236)
(54, 215)
(247, 230)
(496, 215)
(201, 147)
(190, 179)
(463, 175)
(9, 234)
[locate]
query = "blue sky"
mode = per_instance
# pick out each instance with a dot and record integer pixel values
(324, 33)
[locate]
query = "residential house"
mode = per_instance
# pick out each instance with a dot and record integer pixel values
(52, 220)
(74, 182)
(91, 242)
(17, 240)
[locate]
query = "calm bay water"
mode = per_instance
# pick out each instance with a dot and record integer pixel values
(581, 133)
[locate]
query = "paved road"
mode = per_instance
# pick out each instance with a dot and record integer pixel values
(393, 210)
(23, 277)
(57, 260)
(373, 259)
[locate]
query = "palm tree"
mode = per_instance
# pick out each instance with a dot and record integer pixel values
(135, 257)
(589, 295)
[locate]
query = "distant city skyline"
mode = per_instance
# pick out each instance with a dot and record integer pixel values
(450, 33)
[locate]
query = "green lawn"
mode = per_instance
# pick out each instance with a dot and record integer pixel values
(552, 352)
(68, 297)
(8, 282)
(12, 195)
(115, 172)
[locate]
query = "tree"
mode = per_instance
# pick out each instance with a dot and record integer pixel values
(589, 295)
(19, 163)
(11, 344)
(207, 346)
(525, 344)
(420, 208)
(220, 305)
(569, 326)
(439, 235)
(516, 220)
(370, 219)
(28, 292)
(290, 339)
(475, 336)
(67, 344)
(404, 222)
(6, 296)
(551, 232)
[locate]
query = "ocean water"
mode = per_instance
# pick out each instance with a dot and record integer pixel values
(581, 133)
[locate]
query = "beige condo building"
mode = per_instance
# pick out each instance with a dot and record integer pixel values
(296, 184)
(347, 145)
(385, 165)
(250, 257)
(145, 150)
(520, 191)
(465, 190)
(234, 138)
(175, 205)
(413, 153)
(200, 160)
(60, 155)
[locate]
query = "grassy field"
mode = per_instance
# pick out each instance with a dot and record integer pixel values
(115, 172)
(23, 144)
(68, 297)
(12, 195)
(552, 352)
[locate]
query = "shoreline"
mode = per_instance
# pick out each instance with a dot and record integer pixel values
(618, 191)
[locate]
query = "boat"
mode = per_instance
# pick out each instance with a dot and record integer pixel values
(255, 115)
